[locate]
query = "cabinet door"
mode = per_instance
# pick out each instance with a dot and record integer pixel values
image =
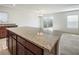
(21, 50)
(31, 47)
(2, 32)
(7, 40)
(14, 46)
(10, 44)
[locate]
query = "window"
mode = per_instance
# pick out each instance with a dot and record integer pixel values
(46, 23)
(3, 17)
(72, 21)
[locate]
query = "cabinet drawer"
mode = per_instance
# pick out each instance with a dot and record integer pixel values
(30, 46)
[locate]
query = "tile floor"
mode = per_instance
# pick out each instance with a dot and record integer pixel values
(3, 47)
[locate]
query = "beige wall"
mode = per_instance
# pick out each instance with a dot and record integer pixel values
(22, 16)
(27, 15)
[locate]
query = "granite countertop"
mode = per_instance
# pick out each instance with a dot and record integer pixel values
(45, 41)
(7, 25)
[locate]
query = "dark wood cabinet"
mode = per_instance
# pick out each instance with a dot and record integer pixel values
(28, 45)
(14, 46)
(20, 46)
(3, 31)
(21, 50)
(10, 44)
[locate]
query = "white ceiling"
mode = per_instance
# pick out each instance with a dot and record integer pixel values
(50, 8)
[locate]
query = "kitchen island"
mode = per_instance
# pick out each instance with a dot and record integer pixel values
(25, 41)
